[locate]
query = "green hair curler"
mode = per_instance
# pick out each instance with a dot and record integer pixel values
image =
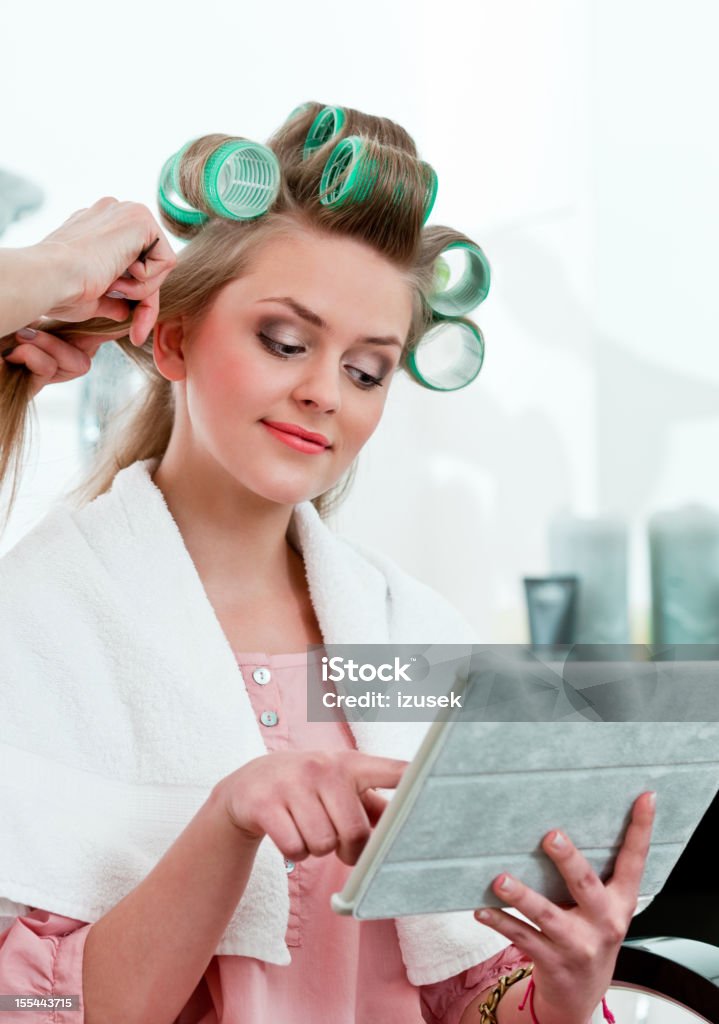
(351, 173)
(432, 186)
(170, 199)
(442, 274)
(430, 189)
(449, 356)
(325, 126)
(298, 110)
(241, 179)
(175, 169)
(348, 173)
(472, 287)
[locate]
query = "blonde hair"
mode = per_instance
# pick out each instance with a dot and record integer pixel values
(221, 250)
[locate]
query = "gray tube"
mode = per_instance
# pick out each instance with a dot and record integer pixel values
(552, 604)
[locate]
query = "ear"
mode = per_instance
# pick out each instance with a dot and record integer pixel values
(167, 348)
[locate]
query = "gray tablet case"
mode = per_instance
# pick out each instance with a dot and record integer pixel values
(480, 795)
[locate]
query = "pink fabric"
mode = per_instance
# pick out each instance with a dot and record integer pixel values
(41, 955)
(343, 971)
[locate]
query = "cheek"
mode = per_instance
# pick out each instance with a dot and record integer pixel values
(365, 420)
(228, 379)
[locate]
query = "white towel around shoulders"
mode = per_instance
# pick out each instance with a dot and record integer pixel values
(122, 705)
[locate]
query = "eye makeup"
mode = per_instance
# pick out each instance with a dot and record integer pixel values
(280, 334)
(371, 366)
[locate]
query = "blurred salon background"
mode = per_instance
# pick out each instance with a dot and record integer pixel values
(574, 141)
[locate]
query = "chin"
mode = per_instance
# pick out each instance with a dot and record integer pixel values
(285, 492)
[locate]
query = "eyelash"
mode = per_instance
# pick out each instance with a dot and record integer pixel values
(275, 348)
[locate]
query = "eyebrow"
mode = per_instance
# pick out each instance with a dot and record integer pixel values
(317, 321)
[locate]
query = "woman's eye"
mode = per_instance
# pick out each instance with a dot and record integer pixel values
(364, 379)
(279, 348)
(285, 350)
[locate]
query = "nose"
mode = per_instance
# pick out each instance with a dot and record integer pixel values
(319, 385)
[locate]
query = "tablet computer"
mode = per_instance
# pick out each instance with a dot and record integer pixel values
(479, 795)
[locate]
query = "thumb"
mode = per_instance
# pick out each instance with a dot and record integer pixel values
(374, 804)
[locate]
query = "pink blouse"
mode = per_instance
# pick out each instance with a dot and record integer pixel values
(343, 971)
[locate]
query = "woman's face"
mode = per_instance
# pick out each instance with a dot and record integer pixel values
(287, 374)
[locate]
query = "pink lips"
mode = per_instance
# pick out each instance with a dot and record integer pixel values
(297, 437)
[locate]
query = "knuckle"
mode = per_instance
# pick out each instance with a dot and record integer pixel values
(316, 765)
(585, 952)
(546, 917)
(321, 845)
(587, 880)
(615, 930)
(295, 851)
(356, 832)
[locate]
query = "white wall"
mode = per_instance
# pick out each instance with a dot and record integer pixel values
(573, 140)
(655, 160)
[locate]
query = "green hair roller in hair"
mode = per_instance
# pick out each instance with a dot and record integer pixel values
(325, 126)
(432, 186)
(241, 179)
(471, 285)
(298, 110)
(170, 199)
(442, 274)
(175, 169)
(430, 190)
(449, 356)
(348, 173)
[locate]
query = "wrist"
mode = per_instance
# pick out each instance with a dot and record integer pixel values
(549, 1013)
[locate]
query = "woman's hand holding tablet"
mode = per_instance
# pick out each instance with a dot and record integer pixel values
(574, 948)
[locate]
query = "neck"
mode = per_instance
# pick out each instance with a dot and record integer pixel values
(230, 533)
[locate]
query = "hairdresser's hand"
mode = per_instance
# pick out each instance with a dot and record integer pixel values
(311, 802)
(50, 359)
(575, 949)
(92, 254)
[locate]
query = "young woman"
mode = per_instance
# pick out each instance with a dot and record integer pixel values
(170, 817)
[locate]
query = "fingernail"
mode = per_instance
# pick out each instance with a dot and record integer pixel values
(653, 800)
(505, 883)
(116, 295)
(557, 842)
(482, 915)
(27, 333)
